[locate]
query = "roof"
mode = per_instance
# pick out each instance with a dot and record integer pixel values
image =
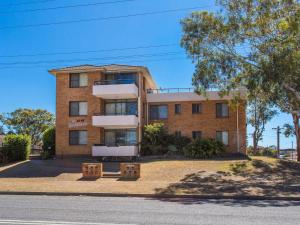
(105, 68)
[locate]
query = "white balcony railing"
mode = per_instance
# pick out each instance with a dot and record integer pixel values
(115, 121)
(116, 91)
(114, 151)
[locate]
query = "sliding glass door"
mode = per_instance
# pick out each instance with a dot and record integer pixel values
(121, 137)
(121, 107)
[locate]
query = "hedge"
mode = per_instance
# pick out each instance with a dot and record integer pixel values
(204, 149)
(49, 142)
(16, 147)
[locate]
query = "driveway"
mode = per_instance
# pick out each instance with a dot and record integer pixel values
(50, 168)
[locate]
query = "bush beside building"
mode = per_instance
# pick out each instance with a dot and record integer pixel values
(16, 147)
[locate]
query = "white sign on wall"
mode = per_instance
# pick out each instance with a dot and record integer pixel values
(77, 123)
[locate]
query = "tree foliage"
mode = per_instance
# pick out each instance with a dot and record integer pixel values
(154, 133)
(289, 130)
(30, 122)
(1, 124)
(260, 112)
(249, 43)
(49, 141)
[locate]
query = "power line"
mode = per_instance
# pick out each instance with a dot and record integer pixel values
(89, 51)
(26, 3)
(89, 59)
(67, 6)
(124, 61)
(102, 18)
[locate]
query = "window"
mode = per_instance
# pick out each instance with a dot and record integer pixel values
(178, 134)
(78, 137)
(196, 134)
(78, 80)
(121, 107)
(78, 108)
(222, 110)
(196, 108)
(158, 112)
(222, 136)
(126, 137)
(120, 78)
(177, 108)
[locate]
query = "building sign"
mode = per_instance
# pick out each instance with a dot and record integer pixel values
(77, 123)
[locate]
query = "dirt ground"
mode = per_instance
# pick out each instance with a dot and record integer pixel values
(258, 176)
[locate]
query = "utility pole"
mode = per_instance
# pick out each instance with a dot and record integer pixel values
(278, 139)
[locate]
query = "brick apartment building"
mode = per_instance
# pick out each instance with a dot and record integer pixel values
(101, 111)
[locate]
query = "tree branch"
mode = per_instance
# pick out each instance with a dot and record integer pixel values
(294, 91)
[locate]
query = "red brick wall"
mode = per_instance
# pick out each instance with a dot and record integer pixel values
(64, 95)
(207, 122)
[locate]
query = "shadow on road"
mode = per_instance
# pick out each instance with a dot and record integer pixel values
(231, 202)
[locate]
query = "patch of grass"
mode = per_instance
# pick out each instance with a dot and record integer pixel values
(239, 167)
(259, 176)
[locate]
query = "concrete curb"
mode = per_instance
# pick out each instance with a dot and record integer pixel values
(156, 196)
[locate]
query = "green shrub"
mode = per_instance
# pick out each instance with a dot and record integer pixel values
(148, 149)
(49, 142)
(179, 142)
(156, 141)
(16, 147)
(154, 134)
(204, 148)
(3, 155)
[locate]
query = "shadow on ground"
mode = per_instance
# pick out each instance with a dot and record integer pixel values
(256, 177)
(231, 202)
(50, 168)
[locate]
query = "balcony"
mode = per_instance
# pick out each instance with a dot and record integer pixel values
(114, 151)
(115, 89)
(189, 94)
(115, 121)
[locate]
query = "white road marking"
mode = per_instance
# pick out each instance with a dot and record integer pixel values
(31, 222)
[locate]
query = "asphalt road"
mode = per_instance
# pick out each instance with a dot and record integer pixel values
(46, 210)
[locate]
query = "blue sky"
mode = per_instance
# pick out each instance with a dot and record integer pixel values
(30, 85)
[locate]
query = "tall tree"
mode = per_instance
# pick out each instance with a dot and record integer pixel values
(1, 125)
(260, 112)
(29, 121)
(253, 43)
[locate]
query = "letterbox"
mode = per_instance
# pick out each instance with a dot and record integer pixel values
(130, 170)
(92, 170)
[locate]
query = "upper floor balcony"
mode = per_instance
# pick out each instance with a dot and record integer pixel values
(116, 89)
(189, 94)
(115, 121)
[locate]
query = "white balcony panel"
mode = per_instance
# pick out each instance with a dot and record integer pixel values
(116, 91)
(115, 151)
(115, 122)
(190, 96)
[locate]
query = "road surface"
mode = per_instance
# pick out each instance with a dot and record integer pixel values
(54, 210)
